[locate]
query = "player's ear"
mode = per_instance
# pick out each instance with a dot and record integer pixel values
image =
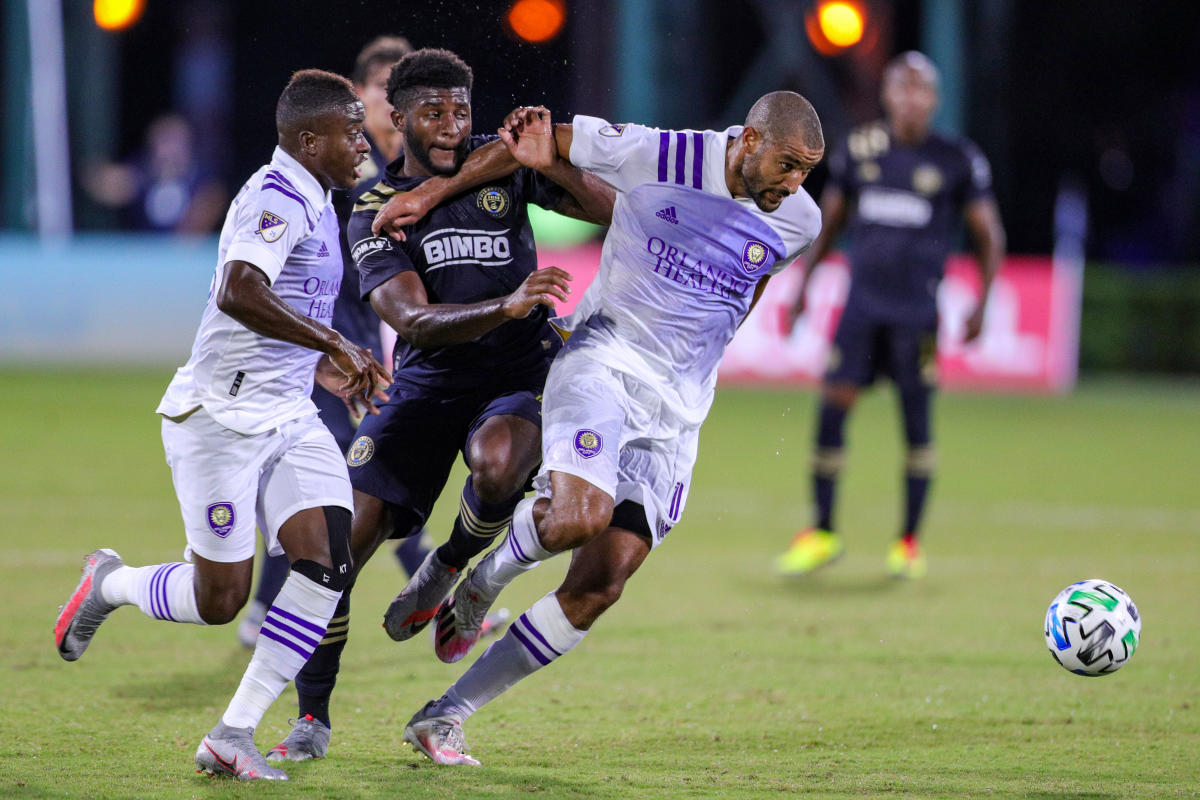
(308, 143)
(751, 138)
(397, 119)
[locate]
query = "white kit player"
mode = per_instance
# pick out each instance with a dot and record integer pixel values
(243, 440)
(702, 219)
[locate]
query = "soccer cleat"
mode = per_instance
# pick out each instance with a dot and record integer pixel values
(439, 737)
(414, 607)
(493, 624)
(460, 620)
(308, 739)
(247, 630)
(812, 548)
(905, 559)
(231, 751)
(86, 608)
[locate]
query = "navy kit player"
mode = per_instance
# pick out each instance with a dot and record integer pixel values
(470, 307)
(702, 219)
(241, 434)
(901, 190)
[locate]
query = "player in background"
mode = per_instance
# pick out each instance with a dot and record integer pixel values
(470, 307)
(900, 189)
(352, 316)
(702, 219)
(241, 434)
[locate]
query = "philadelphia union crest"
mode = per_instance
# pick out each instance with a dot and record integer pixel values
(493, 200)
(361, 451)
(221, 518)
(588, 443)
(754, 255)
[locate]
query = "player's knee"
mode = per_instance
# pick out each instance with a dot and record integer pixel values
(841, 395)
(566, 530)
(584, 605)
(221, 607)
(494, 481)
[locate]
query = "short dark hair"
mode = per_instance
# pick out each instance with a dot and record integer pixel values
(778, 115)
(310, 95)
(429, 68)
(380, 51)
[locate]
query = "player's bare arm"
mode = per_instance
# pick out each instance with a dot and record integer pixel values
(484, 164)
(987, 234)
(403, 303)
(246, 296)
(833, 218)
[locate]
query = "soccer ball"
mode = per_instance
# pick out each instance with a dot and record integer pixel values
(1092, 628)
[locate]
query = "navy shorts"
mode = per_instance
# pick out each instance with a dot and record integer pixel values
(864, 348)
(404, 455)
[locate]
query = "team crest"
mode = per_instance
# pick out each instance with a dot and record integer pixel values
(271, 226)
(493, 200)
(221, 518)
(927, 179)
(588, 443)
(361, 451)
(613, 130)
(754, 255)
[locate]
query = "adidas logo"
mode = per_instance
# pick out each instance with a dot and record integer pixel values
(668, 214)
(323, 252)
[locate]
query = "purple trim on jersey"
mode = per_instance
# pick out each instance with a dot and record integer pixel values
(279, 176)
(288, 629)
(697, 159)
(312, 626)
(277, 187)
(664, 144)
(525, 619)
(676, 496)
(680, 152)
(517, 551)
(530, 647)
(285, 642)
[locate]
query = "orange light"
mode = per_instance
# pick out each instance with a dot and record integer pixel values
(116, 15)
(835, 25)
(537, 20)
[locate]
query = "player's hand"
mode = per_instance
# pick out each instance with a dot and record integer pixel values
(528, 133)
(542, 287)
(796, 309)
(974, 325)
(405, 208)
(358, 377)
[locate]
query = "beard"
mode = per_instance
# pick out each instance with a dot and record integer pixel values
(418, 152)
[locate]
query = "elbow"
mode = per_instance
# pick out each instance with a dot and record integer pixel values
(227, 300)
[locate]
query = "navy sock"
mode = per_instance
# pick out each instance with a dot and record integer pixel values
(916, 488)
(827, 461)
(476, 527)
(271, 576)
(314, 684)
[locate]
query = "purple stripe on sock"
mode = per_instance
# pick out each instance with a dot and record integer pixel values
(291, 194)
(529, 646)
(276, 637)
(664, 142)
(288, 629)
(524, 618)
(680, 152)
(154, 592)
(312, 626)
(516, 548)
(164, 597)
(697, 160)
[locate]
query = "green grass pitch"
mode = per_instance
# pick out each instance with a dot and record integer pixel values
(711, 677)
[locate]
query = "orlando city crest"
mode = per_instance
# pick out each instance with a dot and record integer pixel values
(361, 451)
(493, 200)
(588, 443)
(271, 226)
(754, 255)
(221, 518)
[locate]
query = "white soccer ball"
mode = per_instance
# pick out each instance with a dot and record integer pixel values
(1092, 628)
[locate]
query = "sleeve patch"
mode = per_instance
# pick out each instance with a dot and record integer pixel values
(271, 226)
(364, 247)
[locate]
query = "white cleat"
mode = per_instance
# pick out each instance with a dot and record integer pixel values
(231, 751)
(438, 737)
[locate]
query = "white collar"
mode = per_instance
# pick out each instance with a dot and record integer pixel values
(715, 166)
(302, 178)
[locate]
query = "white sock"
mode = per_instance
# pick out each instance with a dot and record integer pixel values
(294, 626)
(536, 638)
(161, 591)
(520, 551)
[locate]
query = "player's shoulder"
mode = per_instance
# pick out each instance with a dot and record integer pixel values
(801, 213)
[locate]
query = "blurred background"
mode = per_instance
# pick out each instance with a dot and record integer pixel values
(129, 124)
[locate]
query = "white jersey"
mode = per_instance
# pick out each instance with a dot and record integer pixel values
(283, 223)
(681, 260)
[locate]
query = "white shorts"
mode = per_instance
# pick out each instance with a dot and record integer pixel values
(615, 432)
(228, 483)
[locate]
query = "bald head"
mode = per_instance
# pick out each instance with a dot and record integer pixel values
(786, 115)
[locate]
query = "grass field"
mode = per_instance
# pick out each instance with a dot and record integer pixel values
(711, 678)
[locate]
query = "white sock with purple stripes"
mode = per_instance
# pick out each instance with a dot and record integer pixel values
(161, 591)
(294, 626)
(520, 551)
(536, 638)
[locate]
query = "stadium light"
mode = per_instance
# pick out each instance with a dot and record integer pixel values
(117, 15)
(834, 26)
(537, 21)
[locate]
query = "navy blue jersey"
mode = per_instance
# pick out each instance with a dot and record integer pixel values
(476, 246)
(905, 207)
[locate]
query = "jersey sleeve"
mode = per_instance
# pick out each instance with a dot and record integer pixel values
(269, 225)
(979, 173)
(625, 155)
(378, 258)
